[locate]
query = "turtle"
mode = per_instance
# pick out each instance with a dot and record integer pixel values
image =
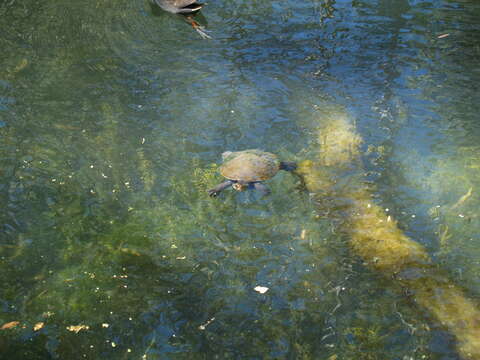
(187, 8)
(248, 169)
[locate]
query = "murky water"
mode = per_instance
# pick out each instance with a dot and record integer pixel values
(112, 116)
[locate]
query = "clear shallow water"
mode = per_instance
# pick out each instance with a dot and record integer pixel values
(111, 118)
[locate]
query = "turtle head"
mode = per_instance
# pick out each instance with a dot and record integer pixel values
(226, 154)
(240, 186)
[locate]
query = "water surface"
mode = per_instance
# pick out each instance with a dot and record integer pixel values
(112, 116)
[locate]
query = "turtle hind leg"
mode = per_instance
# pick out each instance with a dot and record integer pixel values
(288, 165)
(219, 188)
(262, 188)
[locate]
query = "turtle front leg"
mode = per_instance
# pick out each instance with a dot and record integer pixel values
(262, 188)
(219, 188)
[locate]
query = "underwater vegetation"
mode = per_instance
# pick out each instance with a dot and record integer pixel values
(94, 282)
(112, 121)
(377, 240)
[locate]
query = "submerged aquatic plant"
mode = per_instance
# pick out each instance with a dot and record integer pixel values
(375, 237)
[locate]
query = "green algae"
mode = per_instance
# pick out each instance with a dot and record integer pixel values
(95, 205)
(377, 240)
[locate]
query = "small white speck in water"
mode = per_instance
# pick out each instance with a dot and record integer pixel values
(261, 289)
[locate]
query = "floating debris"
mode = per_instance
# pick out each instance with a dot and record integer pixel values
(77, 328)
(261, 289)
(9, 325)
(38, 326)
(303, 234)
(203, 327)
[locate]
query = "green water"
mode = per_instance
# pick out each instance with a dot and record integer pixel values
(112, 116)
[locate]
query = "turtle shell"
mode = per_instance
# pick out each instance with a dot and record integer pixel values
(250, 165)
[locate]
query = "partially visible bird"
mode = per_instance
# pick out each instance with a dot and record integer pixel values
(187, 8)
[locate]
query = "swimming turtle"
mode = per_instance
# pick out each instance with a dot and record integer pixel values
(187, 8)
(248, 168)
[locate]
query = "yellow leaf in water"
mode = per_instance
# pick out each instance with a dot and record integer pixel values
(77, 328)
(38, 326)
(9, 325)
